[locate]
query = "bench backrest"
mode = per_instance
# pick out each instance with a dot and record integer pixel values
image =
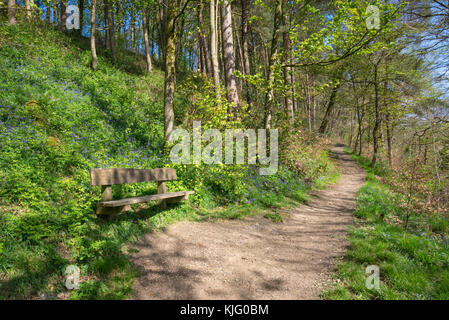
(108, 177)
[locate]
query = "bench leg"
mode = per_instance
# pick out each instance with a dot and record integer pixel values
(162, 188)
(106, 195)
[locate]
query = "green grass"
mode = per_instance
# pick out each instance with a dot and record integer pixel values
(58, 119)
(413, 264)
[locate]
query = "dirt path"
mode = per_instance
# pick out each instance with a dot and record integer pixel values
(255, 258)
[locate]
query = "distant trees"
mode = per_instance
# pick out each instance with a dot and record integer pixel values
(311, 65)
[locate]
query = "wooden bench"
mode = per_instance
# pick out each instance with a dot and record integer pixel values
(106, 178)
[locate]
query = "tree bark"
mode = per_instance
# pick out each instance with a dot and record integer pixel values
(269, 98)
(81, 13)
(170, 71)
(28, 4)
(214, 46)
(133, 30)
(55, 12)
(229, 54)
(330, 105)
(62, 20)
(206, 64)
(48, 11)
(288, 103)
(107, 41)
(12, 12)
(110, 28)
(92, 35)
(162, 28)
(377, 117)
(147, 43)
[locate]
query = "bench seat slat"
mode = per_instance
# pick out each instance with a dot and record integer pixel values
(162, 196)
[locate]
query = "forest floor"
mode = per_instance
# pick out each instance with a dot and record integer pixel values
(253, 258)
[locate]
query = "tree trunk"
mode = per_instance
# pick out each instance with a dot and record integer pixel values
(229, 55)
(62, 20)
(133, 30)
(147, 43)
(162, 27)
(376, 119)
(330, 105)
(92, 36)
(214, 46)
(207, 68)
(81, 15)
(48, 11)
(245, 50)
(288, 103)
(107, 34)
(110, 28)
(269, 98)
(55, 12)
(170, 71)
(389, 141)
(12, 12)
(28, 9)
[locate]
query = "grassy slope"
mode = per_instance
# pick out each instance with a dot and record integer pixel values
(413, 264)
(58, 119)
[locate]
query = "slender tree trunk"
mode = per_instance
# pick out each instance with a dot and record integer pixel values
(330, 105)
(214, 46)
(110, 28)
(81, 12)
(112, 32)
(269, 98)
(92, 35)
(12, 12)
(207, 68)
(228, 54)
(389, 141)
(293, 83)
(288, 103)
(147, 43)
(245, 50)
(133, 30)
(28, 4)
(63, 14)
(170, 71)
(245, 10)
(162, 28)
(201, 67)
(107, 38)
(48, 11)
(377, 118)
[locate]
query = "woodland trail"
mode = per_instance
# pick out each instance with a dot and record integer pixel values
(254, 258)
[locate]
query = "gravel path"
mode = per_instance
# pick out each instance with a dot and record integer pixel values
(254, 258)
